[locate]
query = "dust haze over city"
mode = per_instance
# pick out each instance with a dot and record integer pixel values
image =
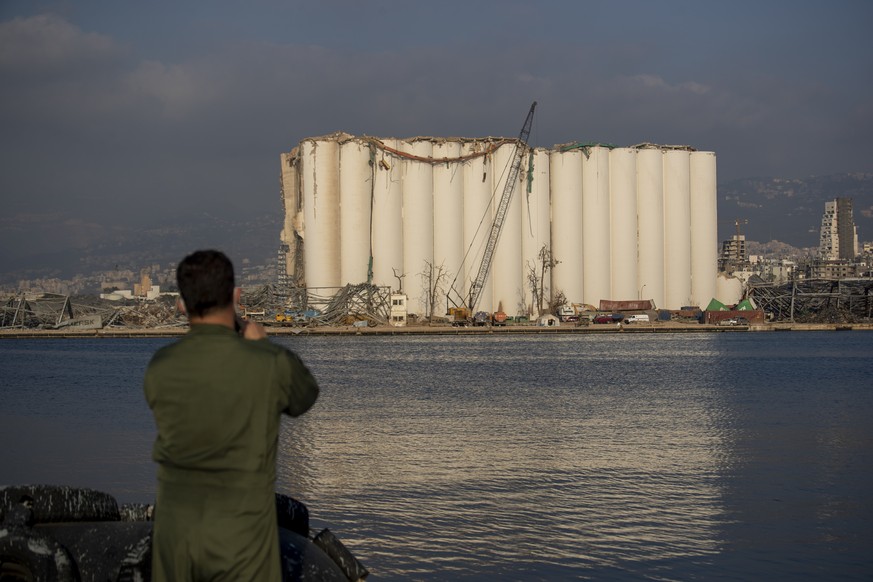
(146, 125)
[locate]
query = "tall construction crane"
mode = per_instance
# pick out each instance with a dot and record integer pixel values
(500, 215)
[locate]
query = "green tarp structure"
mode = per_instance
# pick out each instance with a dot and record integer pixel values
(744, 305)
(716, 305)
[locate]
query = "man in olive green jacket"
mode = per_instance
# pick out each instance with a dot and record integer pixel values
(217, 396)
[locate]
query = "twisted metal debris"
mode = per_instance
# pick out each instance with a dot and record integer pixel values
(816, 300)
(322, 306)
(51, 311)
(335, 306)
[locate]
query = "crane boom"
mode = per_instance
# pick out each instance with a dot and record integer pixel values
(500, 215)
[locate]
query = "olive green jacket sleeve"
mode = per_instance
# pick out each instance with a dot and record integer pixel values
(297, 383)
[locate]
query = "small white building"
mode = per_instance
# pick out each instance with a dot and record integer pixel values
(398, 309)
(548, 320)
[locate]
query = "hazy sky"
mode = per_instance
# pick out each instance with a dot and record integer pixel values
(133, 112)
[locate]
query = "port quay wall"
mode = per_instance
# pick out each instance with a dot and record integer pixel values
(621, 223)
(279, 331)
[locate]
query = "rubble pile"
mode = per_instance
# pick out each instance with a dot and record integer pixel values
(51, 311)
(354, 303)
(266, 298)
(816, 300)
(343, 306)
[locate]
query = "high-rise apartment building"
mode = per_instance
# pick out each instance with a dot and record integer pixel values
(839, 235)
(733, 254)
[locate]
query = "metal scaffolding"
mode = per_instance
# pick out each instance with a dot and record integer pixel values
(815, 300)
(323, 306)
(51, 311)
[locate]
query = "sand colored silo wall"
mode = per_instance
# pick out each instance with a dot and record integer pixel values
(650, 224)
(448, 212)
(596, 275)
(355, 194)
(387, 233)
(623, 223)
(319, 175)
(506, 270)
(704, 228)
(619, 223)
(566, 186)
(535, 220)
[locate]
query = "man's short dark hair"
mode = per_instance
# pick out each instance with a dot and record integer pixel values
(205, 280)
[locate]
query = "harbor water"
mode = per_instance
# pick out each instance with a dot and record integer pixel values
(694, 456)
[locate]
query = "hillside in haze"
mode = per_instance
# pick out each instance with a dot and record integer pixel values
(50, 245)
(790, 210)
(36, 245)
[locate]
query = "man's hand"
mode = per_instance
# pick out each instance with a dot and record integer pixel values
(249, 329)
(253, 330)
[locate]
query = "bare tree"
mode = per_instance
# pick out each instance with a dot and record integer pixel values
(399, 280)
(433, 281)
(536, 278)
(558, 301)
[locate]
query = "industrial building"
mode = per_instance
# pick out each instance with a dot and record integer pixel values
(414, 214)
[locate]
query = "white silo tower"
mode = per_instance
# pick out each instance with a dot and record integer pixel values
(677, 228)
(387, 218)
(477, 220)
(291, 208)
(650, 222)
(319, 168)
(356, 188)
(535, 220)
(448, 216)
(623, 223)
(565, 175)
(506, 270)
(417, 222)
(704, 228)
(596, 278)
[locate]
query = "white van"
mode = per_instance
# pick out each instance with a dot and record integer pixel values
(640, 318)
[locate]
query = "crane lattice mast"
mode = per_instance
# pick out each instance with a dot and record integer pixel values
(500, 215)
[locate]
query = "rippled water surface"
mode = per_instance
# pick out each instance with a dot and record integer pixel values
(667, 457)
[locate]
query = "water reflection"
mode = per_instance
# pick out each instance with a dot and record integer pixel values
(800, 452)
(568, 453)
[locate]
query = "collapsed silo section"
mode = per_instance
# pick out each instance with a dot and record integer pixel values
(677, 229)
(506, 269)
(623, 223)
(417, 223)
(355, 194)
(387, 235)
(319, 165)
(448, 212)
(292, 227)
(535, 230)
(728, 290)
(650, 223)
(704, 228)
(478, 168)
(565, 175)
(596, 277)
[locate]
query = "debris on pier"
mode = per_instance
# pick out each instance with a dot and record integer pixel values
(268, 304)
(815, 300)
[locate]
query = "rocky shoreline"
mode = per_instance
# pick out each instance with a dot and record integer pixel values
(445, 329)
